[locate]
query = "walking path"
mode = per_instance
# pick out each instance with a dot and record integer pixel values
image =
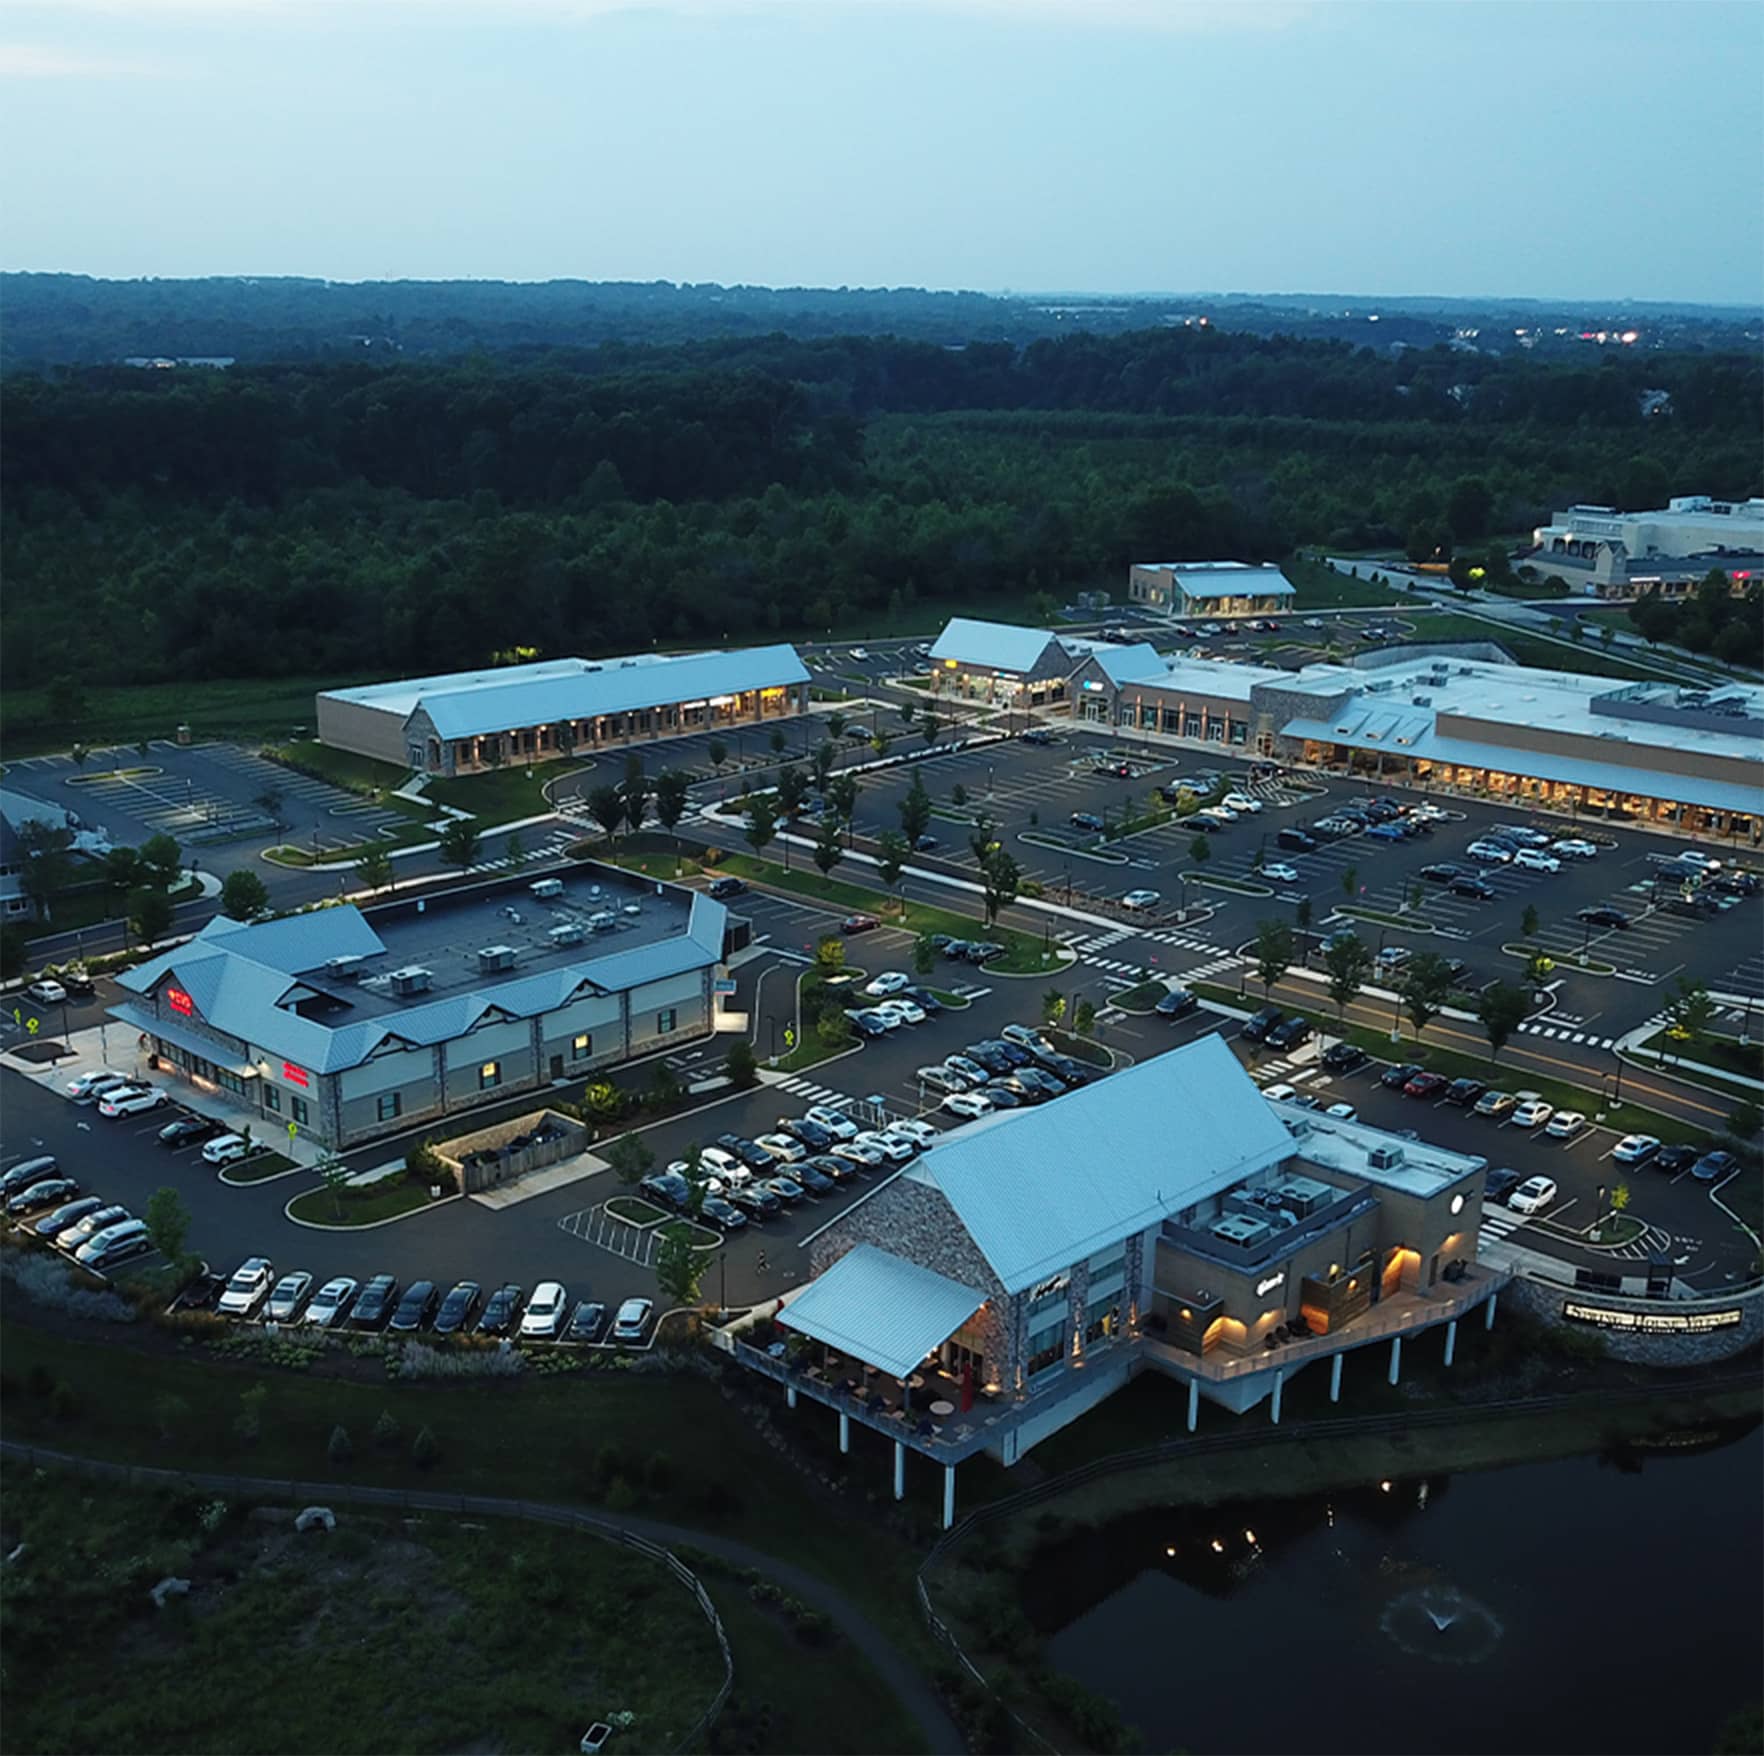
(914, 1693)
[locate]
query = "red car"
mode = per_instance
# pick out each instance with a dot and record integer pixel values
(858, 923)
(1425, 1085)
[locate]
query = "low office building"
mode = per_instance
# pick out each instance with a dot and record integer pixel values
(471, 721)
(1023, 667)
(1209, 588)
(353, 1023)
(1167, 1218)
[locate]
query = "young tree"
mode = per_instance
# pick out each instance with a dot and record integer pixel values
(243, 895)
(636, 793)
(1502, 1008)
(830, 954)
(458, 845)
(1348, 962)
(891, 858)
(1688, 1014)
(670, 800)
(1528, 922)
(718, 752)
(792, 789)
(836, 724)
(907, 710)
(630, 1159)
(829, 851)
(679, 1270)
(606, 805)
(1053, 1006)
(162, 861)
(983, 840)
(915, 810)
(375, 868)
(1273, 953)
(269, 802)
(1301, 920)
(1084, 1017)
(924, 955)
(958, 795)
(1350, 882)
(122, 870)
(1427, 980)
(1003, 879)
(168, 1224)
(778, 740)
(45, 861)
(334, 1175)
(762, 821)
(514, 848)
(741, 1065)
(842, 795)
(822, 763)
(880, 742)
(1200, 850)
(929, 726)
(150, 915)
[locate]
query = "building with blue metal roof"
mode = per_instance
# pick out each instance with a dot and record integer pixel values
(1209, 588)
(469, 721)
(353, 1023)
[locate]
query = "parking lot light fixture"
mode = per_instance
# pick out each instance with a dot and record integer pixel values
(1396, 1019)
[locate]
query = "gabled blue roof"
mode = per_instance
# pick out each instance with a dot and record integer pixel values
(999, 646)
(881, 1309)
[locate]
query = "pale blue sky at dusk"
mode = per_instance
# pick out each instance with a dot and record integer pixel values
(1118, 145)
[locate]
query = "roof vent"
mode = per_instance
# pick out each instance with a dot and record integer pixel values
(493, 959)
(344, 969)
(1420, 700)
(411, 980)
(570, 933)
(547, 887)
(1385, 1158)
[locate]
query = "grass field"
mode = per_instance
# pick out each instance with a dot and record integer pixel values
(1322, 588)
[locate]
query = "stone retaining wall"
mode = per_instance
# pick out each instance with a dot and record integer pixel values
(1651, 1332)
(483, 1160)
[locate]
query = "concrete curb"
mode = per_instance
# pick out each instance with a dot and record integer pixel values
(372, 1225)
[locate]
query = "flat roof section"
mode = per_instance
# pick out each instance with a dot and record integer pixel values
(1416, 1167)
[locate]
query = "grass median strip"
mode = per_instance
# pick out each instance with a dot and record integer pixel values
(634, 1211)
(390, 1198)
(258, 1168)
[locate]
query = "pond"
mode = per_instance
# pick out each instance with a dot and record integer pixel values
(1604, 1603)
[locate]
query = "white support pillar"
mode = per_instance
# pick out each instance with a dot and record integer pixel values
(1193, 1403)
(1335, 1377)
(1279, 1385)
(1451, 1340)
(1488, 1320)
(1396, 1358)
(844, 1433)
(948, 1495)
(899, 1470)
(790, 1396)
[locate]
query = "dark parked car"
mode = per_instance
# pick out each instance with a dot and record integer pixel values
(1296, 841)
(1395, 1078)
(722, 1214)
(1469, 885)
(1039, 1079)
(1289, 1033)
(502, 1311)
(185, 1131)
(43, 1193)
(988, 1056)
(422, 1298)
(816, 1182)
(721, 887)
(923, 844)
(1465, 1092)
(1036, 735)
(1674, 1159)
(458, 1308)
(1426, 1085)
(1500, 1184)
(978, 950)
(756, 1158)
(811, 1134)
(1178, 1003)
(1441, 872)
(1603, 916)
(667, 1187)
(924, 999)
(787, 1189)
(78, 984)
(858, 923)
(1713, 1166)
(841, 1170)
(1086, 820)
(1256, 1028)
(587, 1321)
(374, 1304)
(1016, 1086)
(1115, 770)
(1013, 1054)
(1071, 1070)
(1343, 1058)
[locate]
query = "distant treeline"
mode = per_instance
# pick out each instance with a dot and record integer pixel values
(277, 520)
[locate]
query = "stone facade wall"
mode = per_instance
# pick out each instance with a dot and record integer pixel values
(1545, 1300)
(572, 1139)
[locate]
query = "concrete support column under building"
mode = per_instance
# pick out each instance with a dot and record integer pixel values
(1193, 1403)
(1335, 1377)
(948, 1495)
(790, 1396)
(1274, 1407)
(1488, 1321)
(844, 1433)
(899, 1470)
(1451, 1340)
(1396, 1358)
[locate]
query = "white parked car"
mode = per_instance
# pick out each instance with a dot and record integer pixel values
(963, 1068)
(922, 1132)
(1490, 853)
(1224, 813)
(1242, 802)
(1707, 861)
(94, 1084)
(546, 1313)
(1531, 1195)
(969, 1105)
(1565, 1124)
(47, 992)
(836, 1122)
(224, 1149)
(782, 1147)
(130, 1100)
(1535, 860)
(890, 981)
(859, 653)
(1141, 899)
(724, 1166)
(1280, 872)
(329, 1303)
(1574, 849)
(284, 1301)
(632, 1320)
(907, 1011)
(1343, 1112)
(1280, 1093)
(895, 1151)
(1524, 835)
(1529, 1112)
(1633, 1148)
(248, 1288)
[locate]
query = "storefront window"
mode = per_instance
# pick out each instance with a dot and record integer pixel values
(489, 1076)
(665, 1021)
(581, 1046)
(1047, 1345)
(272, 1097)
(298, 1107)
(391, 1104)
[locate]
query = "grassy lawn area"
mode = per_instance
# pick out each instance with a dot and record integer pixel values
(342, 768)
(699, 1237)
(250, 710)
(1139, 999)
(652, 865)
(1726, 1053)
(366, 1205)
(504, 794)
(671, 1446)
(362, 1602)
(634, 1210)
(257, 1168)
(1322, 588)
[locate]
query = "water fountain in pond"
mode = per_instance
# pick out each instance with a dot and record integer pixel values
(1439, 1622)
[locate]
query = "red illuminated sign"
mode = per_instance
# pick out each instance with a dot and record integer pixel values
(179, 1001)
(294, 1075)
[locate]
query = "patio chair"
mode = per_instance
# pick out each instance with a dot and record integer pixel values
(923, 1429)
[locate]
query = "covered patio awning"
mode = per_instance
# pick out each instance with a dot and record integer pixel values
(881, 1309)
(190, 1041)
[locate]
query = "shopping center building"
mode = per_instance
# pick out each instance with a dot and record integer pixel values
(470, 721)
(1167, 1218)
(352, 1023)
(1209, 588)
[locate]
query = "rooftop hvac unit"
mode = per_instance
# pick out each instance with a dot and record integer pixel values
(1466, 670)
(570, 933)
(601, 919)
(1420, 700)
(344, 969)
(494, 958)
(1303, 1196)
(1241, 1231)
(1385, 1158)
(412, 980)
(547, 887)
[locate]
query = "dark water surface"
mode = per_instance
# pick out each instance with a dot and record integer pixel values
(1592, 1604)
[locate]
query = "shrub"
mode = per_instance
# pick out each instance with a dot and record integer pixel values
(40, 1380)
(63, 1403)
(420, 1360)
(424, 1451)
(621, 1496)
(387, 1431)
(658, 1473)
(339, 1449)
(53, 1284)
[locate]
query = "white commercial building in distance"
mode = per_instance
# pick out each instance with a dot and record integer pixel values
(1620, 553)
(1209, 588)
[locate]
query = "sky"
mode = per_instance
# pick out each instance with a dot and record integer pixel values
(1461, 147)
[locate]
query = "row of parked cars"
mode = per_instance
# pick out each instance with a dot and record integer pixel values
(1383, 819)
(39, 1198)
(1017, 1068)
(254, 1291)
(115, 1095)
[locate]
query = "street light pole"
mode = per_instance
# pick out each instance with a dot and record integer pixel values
(1396, 1019)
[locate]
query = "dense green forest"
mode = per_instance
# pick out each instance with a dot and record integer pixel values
(315, 519)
